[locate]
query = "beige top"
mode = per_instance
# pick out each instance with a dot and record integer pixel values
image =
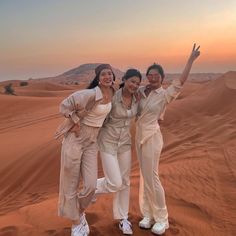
(76, 107)
(97, 115)
(151, 109)
(114, 136)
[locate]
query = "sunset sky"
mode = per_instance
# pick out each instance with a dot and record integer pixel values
(46, 38)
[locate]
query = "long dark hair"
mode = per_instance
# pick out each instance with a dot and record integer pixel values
(130, 73)
(94, 82)
(157, 67)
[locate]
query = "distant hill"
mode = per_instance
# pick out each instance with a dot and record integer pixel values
(82, 73)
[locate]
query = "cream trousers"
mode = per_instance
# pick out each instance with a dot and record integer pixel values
(151, 194)
(116, 169)
(78, 159)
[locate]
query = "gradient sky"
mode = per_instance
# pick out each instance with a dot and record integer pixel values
(46, 38)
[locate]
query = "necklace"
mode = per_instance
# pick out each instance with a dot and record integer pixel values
(106, 96)
(127, 101)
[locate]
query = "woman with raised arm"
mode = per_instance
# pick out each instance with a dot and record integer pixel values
(85, 112)
(149, 143)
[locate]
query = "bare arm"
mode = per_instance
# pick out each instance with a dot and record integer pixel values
(193, 56)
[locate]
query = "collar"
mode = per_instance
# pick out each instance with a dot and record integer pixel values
(142, 89)
(98, 93)
(159, 89)
(119, 96)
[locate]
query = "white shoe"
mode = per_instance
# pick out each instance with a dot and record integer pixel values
(78, 230)
(146, 223)
(84, 222)
(126, 227)
(160, 228)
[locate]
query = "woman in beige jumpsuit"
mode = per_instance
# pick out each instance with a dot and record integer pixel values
(114, 143)
(149, 143)
(85, 112)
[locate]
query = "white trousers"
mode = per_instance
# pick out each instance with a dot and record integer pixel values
(116, 169)
(151, 194)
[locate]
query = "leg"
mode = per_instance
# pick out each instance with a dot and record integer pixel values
(153, 189)
(144, 204)
(89, 175)
(121, 198)
(69, 178)
(112, 181)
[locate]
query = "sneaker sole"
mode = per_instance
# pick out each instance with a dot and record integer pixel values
(161, 232)
(123, 232)
(146, 227)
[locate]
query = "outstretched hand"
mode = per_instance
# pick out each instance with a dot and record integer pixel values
(195, 53)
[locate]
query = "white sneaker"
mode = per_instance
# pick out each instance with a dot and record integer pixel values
(84, 222)
(78, 230)
(160, 228)
(126, 227)
(146, 223)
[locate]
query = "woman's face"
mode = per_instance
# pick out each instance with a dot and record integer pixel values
(106, 78)
(154, 77)
(132, 84)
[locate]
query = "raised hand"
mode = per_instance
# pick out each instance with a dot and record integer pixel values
(195, 53)
(193, 56)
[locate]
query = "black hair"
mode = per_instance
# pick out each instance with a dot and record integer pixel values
(95, 82)
(157, 67)
(130, 73)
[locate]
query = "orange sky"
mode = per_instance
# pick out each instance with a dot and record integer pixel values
(46, 39)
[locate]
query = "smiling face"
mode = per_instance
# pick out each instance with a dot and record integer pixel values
(154, 78)
(132, 84)
(106, 78)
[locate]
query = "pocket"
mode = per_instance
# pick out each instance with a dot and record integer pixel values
(72, 152)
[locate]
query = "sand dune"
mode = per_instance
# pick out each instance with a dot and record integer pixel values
(38, 88)
(198, 165)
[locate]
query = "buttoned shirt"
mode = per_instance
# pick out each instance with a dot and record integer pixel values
(152, 107)
(114, 136)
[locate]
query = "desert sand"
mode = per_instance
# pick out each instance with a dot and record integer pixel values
(198, 163)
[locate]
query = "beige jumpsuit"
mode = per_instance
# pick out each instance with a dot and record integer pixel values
(114, 143)
(78, 154)
(149, 144)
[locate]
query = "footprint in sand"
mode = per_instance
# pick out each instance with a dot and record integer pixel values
(92, 218)
(51, 232)
(8, 231)
(63, 232)
(173, 229)
(172, 221)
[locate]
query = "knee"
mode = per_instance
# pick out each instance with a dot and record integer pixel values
(90, 188)
(115, 185)
(151, 176)
(126, 181)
